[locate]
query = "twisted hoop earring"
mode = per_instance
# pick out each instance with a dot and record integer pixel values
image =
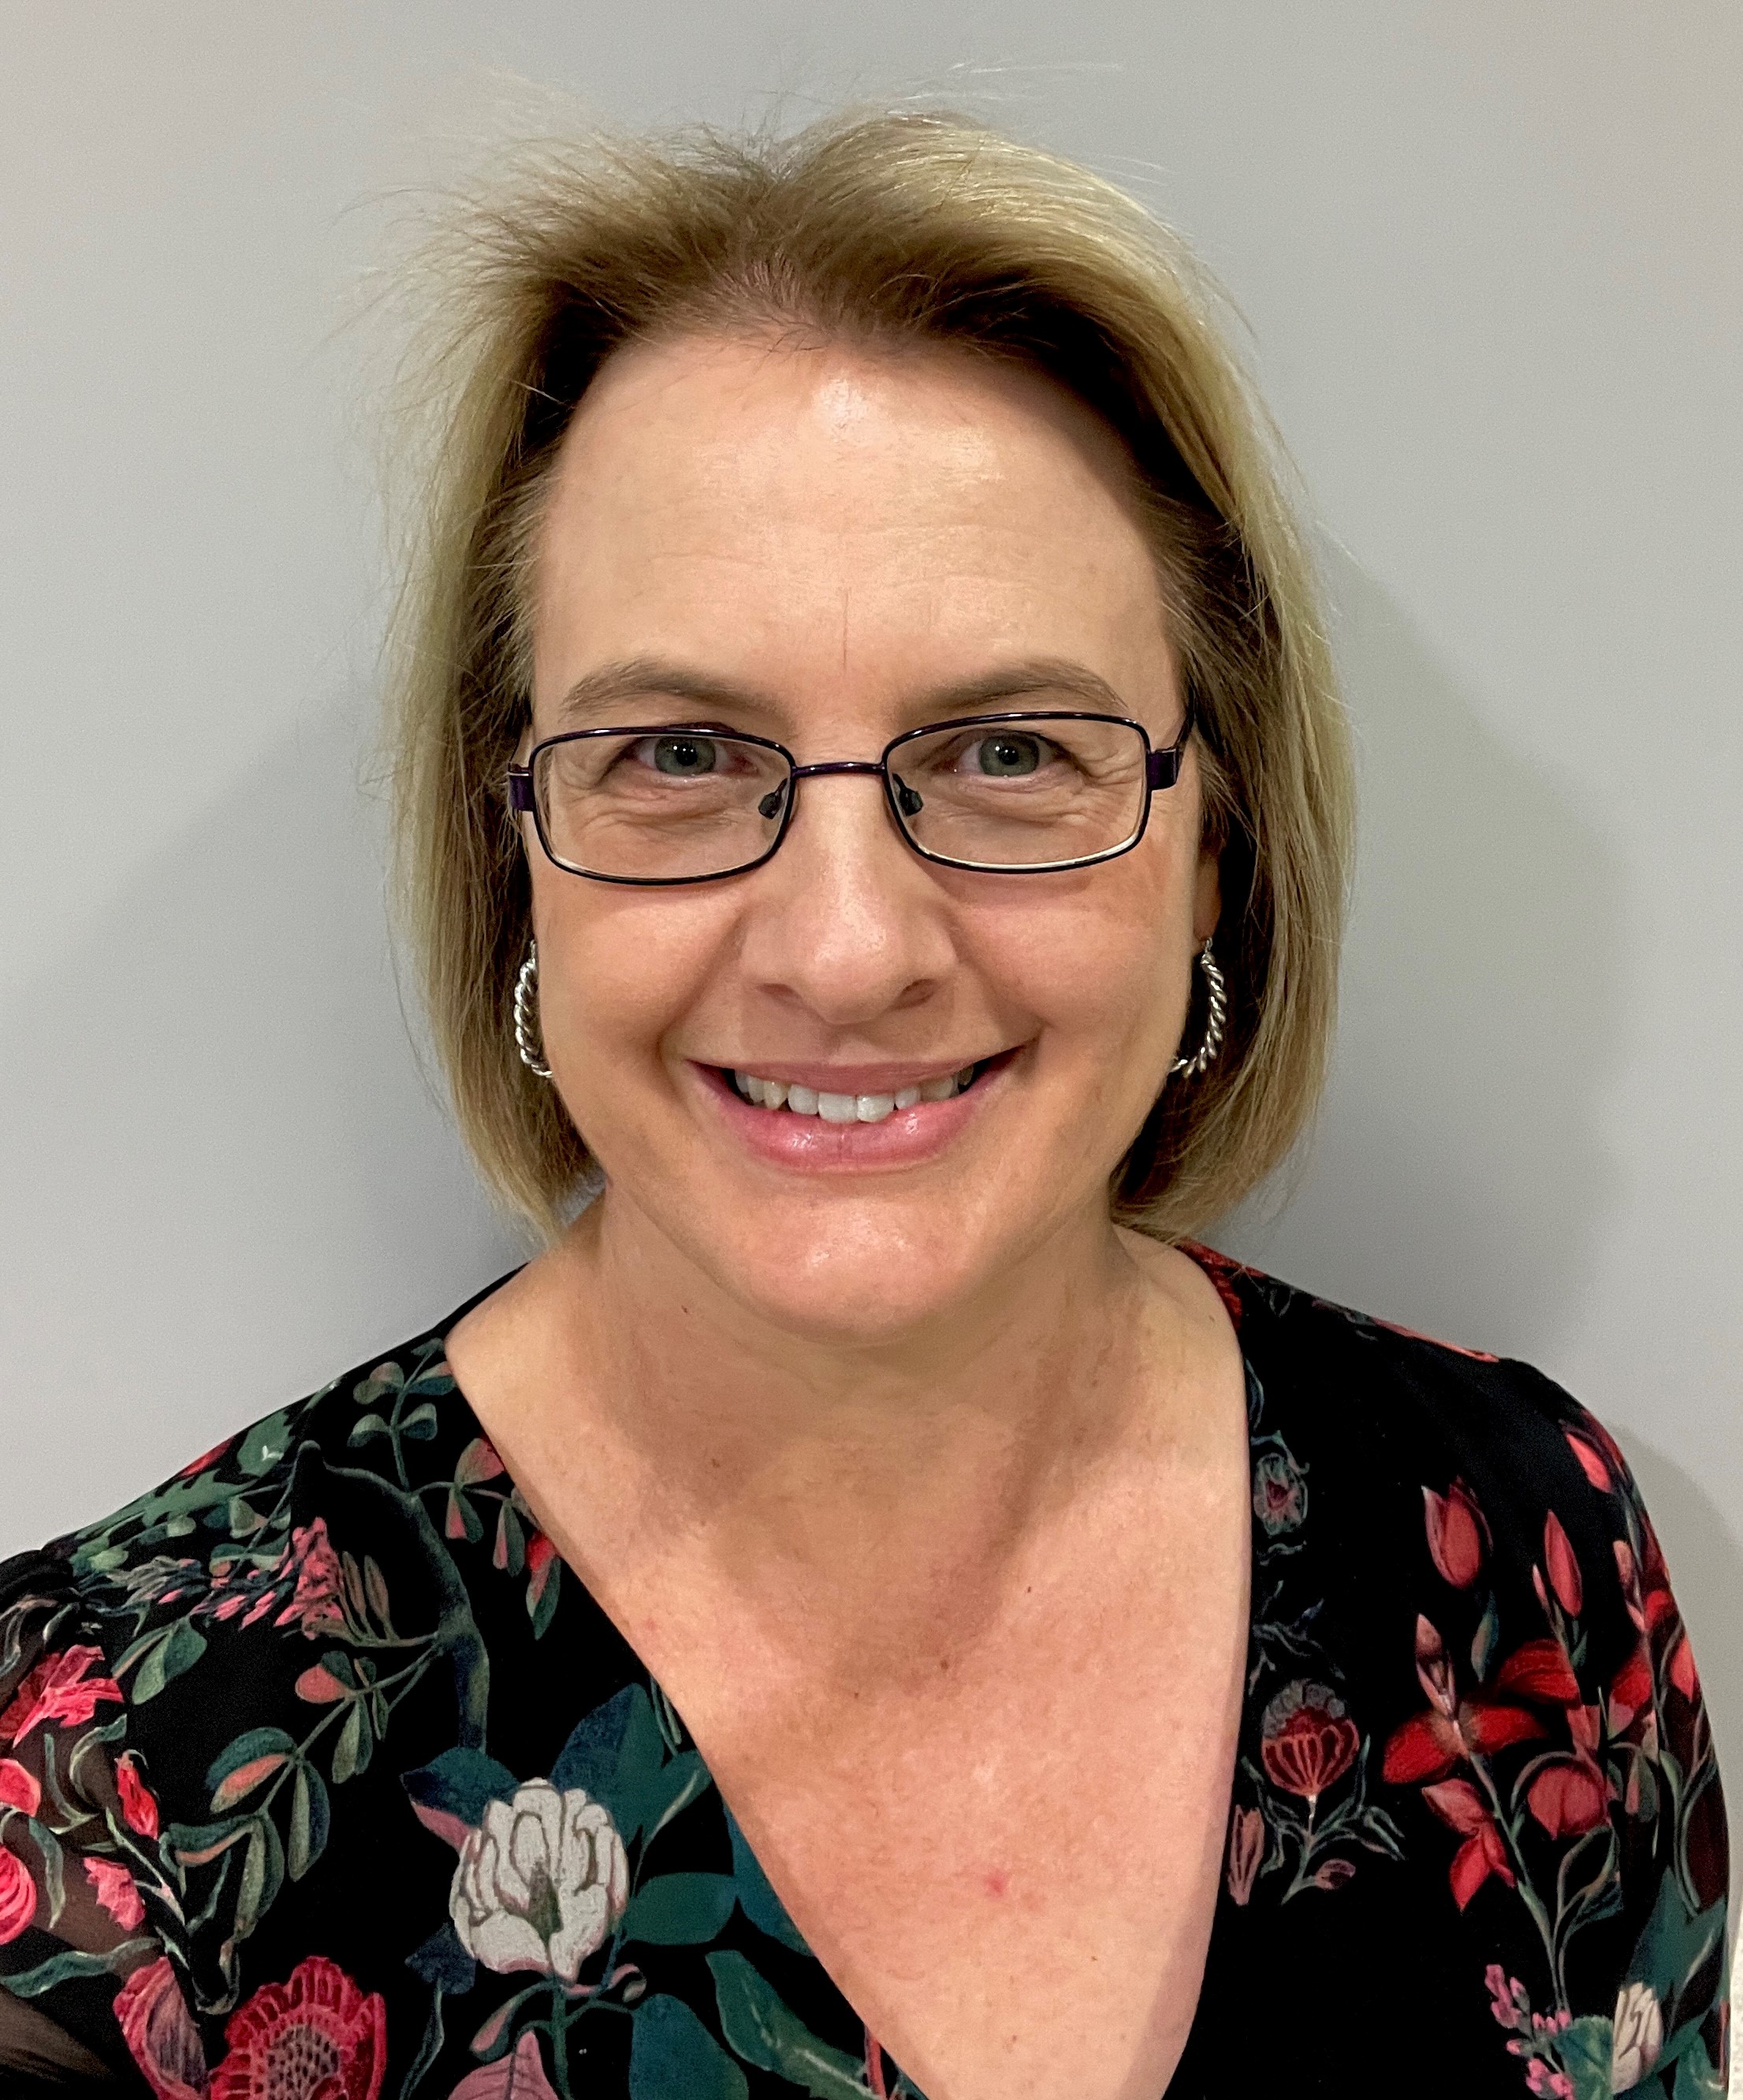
(1216, 1014)
(531, 1056)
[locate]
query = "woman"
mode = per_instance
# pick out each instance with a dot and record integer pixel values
(872, 1608)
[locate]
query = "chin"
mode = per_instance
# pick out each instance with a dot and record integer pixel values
(850, 1282)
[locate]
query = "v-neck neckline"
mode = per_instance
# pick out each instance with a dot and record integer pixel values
(1217, 1270)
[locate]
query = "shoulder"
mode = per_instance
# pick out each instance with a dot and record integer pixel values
(1421, 1417)
(1458, 1588)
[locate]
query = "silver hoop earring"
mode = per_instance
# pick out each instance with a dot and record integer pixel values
(1216, 1013)
(526, 991)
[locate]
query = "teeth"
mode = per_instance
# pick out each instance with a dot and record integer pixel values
(849, 1108)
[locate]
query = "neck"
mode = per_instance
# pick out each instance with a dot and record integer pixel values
(835, 1470)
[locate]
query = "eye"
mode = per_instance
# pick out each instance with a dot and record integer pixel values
(684, 758)
(1006, 756)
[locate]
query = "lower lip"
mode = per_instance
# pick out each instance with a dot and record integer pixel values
(904, 1138)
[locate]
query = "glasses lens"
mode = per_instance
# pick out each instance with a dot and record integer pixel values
(672, 805)
(1026, 791)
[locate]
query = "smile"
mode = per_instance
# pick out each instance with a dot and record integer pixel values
(850, 1108)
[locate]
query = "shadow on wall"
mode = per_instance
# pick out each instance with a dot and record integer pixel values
(228, 1177)
(1458, 1174)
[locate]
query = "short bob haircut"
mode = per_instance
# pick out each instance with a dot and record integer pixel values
(892, 229)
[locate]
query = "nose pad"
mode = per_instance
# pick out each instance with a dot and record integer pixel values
(906, 800)
(770, 806)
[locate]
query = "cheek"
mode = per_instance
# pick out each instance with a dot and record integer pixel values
(616, 968)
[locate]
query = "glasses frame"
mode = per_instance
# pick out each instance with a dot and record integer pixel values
(1162, 771)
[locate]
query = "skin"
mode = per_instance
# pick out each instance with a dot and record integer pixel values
(920, 1487)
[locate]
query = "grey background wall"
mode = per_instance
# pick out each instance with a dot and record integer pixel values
(1490, 258)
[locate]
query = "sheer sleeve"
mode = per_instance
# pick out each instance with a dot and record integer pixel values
(1670, 2021)
(83, 1972)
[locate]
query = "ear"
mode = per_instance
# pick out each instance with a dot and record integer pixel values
(1208, 897)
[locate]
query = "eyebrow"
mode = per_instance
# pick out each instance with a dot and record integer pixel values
(645, 678)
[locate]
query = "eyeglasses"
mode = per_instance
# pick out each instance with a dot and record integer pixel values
(1003, 794)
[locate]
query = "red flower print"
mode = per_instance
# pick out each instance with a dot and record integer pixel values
(1569, 1797)
(1430, 1745)
(116, 1892)
(18, 1896)
(541, 1557)
(1307, 1740)
(57, 1689)
(18, 1787)
(1459, 1805)
(1684, 1674)
(137, 1805)
(160, 2032)
(1457, 1534)
(316, 2037)
(1591, 1463)
(1246, 1851)
(1564, 1568)
(205, 1459)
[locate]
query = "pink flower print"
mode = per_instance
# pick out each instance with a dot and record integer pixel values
(1246, 1851)
(316, 1608)
(18, 1896)
(1508, 2001)
(138, 1806)
(1564, 1568)
(1546, 2083)
(160, 2032)
(1457, 1534)
(58, 1689)
(1591, 1463)
(116, 1892)
(19, 1788)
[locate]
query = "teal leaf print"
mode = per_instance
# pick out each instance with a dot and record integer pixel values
(671, 2053)
(617, 1754)
(767, 2032)
(680, 1910)
(457, 1785)
(164, 1658)
(594, 1755)
(61, 1968)
(1585, 2049)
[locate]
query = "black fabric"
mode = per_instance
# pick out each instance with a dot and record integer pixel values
(318, 1767)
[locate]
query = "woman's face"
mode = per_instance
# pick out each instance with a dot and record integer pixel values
(828, 546)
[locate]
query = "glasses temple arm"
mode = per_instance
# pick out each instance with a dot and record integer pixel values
(1165, 765)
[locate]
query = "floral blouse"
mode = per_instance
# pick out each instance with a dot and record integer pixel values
(322, 1778)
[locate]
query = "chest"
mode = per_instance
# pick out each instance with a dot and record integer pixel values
(1011, 1874)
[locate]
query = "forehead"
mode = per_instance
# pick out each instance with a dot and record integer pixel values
(778, 513)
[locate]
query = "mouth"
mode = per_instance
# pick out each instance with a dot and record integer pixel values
(793, 1098)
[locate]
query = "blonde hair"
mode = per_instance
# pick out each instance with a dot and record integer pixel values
(896, 228)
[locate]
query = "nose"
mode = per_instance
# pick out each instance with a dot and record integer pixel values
(846, 921)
